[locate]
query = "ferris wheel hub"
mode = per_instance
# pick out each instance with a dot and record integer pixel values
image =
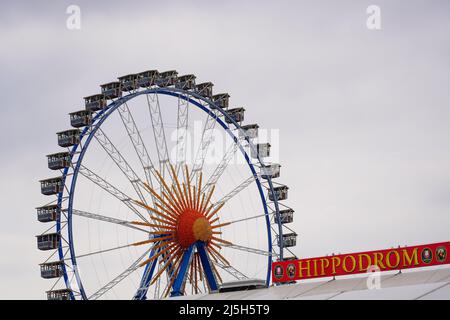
(193, 227)
(202, 230)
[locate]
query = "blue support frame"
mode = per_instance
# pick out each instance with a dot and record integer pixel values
(206, 264)
(141, 294)
(177, 288)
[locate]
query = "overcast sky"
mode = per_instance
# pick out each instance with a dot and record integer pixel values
(363, 114)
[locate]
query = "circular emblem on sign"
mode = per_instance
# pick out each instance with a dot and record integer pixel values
(427, 255)
(291, 271)
(441, 254)
(278, 272)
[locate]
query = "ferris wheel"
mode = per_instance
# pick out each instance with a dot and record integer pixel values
(147, 206)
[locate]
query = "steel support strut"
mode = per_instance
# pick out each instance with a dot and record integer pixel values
(141, 294)
(178, 285)
(206, 264)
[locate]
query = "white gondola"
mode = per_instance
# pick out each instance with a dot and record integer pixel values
(147, 78)
(95, 102)
(63, 294)
(204, 89)
(58, 161)
(49, 241)
(186, 82)
(111, 90)
(129, 82)
(250, 131)
(280, 193)
(289, 240)
(286, 216)
(167, 78)
(48, 213)
(221, 100)
(270, 171)
(68, 138)
(51, 270)
(262, 150)
(80, 118)
(237, 114)
(51, 186)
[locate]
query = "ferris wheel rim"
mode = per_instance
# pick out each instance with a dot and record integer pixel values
(102, 116)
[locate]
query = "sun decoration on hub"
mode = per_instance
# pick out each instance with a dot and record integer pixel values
(193, 227)
(183, 215)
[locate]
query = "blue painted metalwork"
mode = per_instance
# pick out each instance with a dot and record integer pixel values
(98, 120)
(177, 288)
(206, 264)
(141, 294)
(58, 230)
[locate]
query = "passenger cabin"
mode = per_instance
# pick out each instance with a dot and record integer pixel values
(286, 216)
(111, 90)
(95, 102)
(221, 100)
(68, 138)
(204, 89)
(48, 213)
(51, 270)
(49, 241)
(129, 82)
(242, 285)
(237, 114)
(261, 149)
(63, 294)
(80, 118)
(280, 193)
(58, 161)
(186, 82)
(289, 240)
(147, 78)
(271, 170)
(167, 78)
(51, 186)
(250, 131)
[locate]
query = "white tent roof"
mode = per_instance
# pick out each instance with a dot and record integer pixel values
(424, 284)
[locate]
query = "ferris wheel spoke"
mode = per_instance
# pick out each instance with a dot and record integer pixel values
(242, 220)
(235, 191)
(251, 250)
(207, 138)
(231, 270)
(138, 144)
(95, 216)
(108, 187)
(134, 244)
(120, 161)
(133, 267)
(182, 129)
(158, 132)
(93, 253)
(221, 167)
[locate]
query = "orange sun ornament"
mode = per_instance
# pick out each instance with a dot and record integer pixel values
(183, 215)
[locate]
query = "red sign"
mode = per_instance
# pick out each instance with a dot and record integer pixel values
(353, 263)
